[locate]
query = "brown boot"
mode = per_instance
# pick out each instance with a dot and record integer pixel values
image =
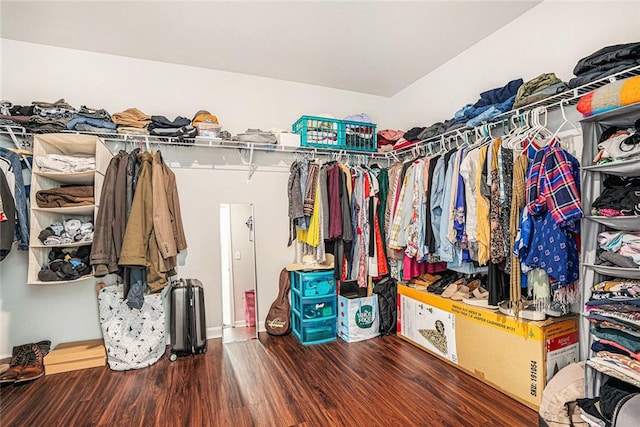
(18, 361)
(34, 367)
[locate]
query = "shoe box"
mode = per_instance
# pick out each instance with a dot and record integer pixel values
(514, 356)
(72, 356)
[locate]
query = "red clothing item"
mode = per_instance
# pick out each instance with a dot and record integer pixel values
(383, 267)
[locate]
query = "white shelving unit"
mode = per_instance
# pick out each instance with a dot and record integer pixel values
(592, 178)
(41, 218)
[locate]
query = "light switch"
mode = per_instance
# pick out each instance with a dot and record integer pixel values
(236, 255)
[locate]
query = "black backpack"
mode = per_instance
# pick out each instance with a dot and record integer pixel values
(387, 291)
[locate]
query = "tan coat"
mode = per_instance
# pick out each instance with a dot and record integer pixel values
(139, 247)
(167, 219)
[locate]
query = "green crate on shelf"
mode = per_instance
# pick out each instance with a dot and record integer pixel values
(358, 136)
(318, 132)
(323, 132)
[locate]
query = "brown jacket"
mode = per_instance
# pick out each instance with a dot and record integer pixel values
(167, 219)
(140, 247)
(110, 221)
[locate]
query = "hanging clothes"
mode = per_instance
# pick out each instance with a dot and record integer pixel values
(12, 166)
(111, 220)
(482, 204)
(7, 217)
(518, 200)
(553, 203)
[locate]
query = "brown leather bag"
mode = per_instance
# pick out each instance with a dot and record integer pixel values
(278, 321)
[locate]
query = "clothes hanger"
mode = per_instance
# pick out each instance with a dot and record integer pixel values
(482, 135)
(540, 129)
(514, 139)
(575, 131)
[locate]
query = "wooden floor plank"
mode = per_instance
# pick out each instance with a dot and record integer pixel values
(272, 382)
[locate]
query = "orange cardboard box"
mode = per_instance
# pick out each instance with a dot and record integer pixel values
(72, 356)
(517, 357)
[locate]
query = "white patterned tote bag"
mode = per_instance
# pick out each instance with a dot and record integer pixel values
(133, 338)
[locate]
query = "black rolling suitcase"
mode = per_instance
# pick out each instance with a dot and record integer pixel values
(188, 326)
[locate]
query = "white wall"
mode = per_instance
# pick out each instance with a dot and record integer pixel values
(551, 37)
(37, 72)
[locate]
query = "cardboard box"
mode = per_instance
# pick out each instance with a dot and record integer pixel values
(517, 357)
(72, 356)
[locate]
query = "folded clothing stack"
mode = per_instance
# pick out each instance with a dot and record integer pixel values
(63, 197)
(619, 144)
(620, 197)
(18, 114)
(50, 116)
(387, 138)
(72, 230)
(180, 127)
(93, 120)
(66, 264)
(621, 248)
(543, 86)
(131, 120)
(259, 136)
(66, 164)
(604, 62)
(491, 103)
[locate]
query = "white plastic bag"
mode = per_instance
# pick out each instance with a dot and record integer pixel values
(133, 338)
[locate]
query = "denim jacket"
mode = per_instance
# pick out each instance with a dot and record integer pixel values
(446, 247)
(22, 210)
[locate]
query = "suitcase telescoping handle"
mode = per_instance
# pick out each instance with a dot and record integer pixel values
(191, 318)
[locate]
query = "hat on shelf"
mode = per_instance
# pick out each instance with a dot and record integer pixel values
(309, 262)
(204, 116)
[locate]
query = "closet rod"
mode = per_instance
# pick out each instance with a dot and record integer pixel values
(147, 140)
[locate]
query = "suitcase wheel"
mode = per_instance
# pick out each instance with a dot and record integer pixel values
(173, 357)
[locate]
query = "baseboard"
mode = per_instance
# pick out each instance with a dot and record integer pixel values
(261, 327)
(214, 332)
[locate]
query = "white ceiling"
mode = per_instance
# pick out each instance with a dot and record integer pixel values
(371, 47)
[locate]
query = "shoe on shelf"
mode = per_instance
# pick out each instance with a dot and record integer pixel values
(528, 311)
(463, 292)
(557, 309)
(34, 367)
(453, 288)
(429, 278)
(17, 364)
(479, 297)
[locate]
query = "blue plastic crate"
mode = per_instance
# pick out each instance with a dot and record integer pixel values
(313, 331)
(358, 136)
(322, 132)
(318, 132)
(314, 308)
(313, 283)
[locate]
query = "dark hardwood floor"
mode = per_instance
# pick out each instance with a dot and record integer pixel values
(278, 382)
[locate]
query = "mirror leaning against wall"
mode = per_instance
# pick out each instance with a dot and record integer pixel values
(238, 272)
